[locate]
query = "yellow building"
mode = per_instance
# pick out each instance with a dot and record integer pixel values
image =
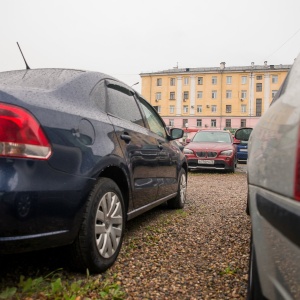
(219, 97)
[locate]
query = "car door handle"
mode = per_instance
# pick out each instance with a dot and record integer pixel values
(126, 138)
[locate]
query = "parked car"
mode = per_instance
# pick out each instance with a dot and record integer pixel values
(80, 153)
(274, 196)
(241, 138)
(211, 149)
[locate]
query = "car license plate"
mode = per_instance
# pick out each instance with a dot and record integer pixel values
(205, 162)
(244, 150)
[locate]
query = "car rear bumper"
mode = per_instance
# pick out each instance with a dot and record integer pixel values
(39, 206)
(275, 227)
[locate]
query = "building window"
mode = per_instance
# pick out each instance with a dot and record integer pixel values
(243, 122)
(172, 109)
(185, 123)
(243, 94)
(214, 94)
(158, 81)
(214, 80)
(259, 87)
(244, 79)
(199, 95)
(157, 96)
(185, 108)
(274, 93)
(172, 81)
(172, 95)
(214, 108)
(159, 109)
(171, 122)
(274, 78)
(213, 123)
(186, 81)
(228, 79)
(259, 77)
(228, 123)
(199, 108)
(199, 122)
(228, 108)
(258, 107)
(228, 94)
(200, 80)
(185, 95)
(243, 108)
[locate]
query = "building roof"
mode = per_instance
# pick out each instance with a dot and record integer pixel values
(257, 68)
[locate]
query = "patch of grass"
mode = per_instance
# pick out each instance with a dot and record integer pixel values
(53, 286)
(228, 271)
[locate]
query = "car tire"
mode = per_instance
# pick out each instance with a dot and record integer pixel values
(100, 237)
(179, 201)
(254, 291)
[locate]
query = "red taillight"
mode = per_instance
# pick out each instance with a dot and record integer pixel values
(297, 170)
(21, 135)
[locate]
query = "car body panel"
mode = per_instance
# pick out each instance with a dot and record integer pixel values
(272, 179)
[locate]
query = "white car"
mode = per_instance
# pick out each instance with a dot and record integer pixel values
(274, 196)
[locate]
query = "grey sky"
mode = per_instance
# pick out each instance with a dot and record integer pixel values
(124, 38)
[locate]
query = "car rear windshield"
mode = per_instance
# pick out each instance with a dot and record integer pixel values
(211, 136)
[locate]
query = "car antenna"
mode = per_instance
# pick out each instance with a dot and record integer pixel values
(27, 67)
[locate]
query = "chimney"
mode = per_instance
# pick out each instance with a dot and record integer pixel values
(265, 63)
(252, 64)
(222, 65)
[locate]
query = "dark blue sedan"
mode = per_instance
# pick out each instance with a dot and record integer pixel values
(80, 153)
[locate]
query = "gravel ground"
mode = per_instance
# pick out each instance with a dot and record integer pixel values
(200, 252)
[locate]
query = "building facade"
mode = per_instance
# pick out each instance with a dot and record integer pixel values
(220, 97)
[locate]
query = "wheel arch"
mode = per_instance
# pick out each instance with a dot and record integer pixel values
(119, 176)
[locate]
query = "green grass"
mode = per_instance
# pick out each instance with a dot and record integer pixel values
(56, 286)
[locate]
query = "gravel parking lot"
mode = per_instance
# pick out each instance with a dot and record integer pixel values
(200, 252)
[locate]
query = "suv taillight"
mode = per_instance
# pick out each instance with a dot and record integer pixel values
(21, 135)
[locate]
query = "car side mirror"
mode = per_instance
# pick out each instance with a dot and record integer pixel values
(176, 133)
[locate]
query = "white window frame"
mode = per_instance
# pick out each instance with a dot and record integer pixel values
(214, 94)
(243, 108)
(199, 108)
(199, 94)
(158, 96)
(172, 81)
(244, 79)
(200, 80)
(199, 122)
(243, 94)
(214, 108)
(186, 81)
(159, 82)
(213, 122)
(172, 96)
(214, 80)
(228, 94)
(228, 79)
(274, 78)
(172, 109)
(171, 122)
(185, 109)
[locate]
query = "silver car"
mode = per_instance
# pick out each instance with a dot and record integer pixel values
(274, 196)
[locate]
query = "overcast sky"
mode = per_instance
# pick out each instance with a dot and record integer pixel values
(124, 38)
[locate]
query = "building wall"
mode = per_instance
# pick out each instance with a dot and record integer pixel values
(241, 94)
